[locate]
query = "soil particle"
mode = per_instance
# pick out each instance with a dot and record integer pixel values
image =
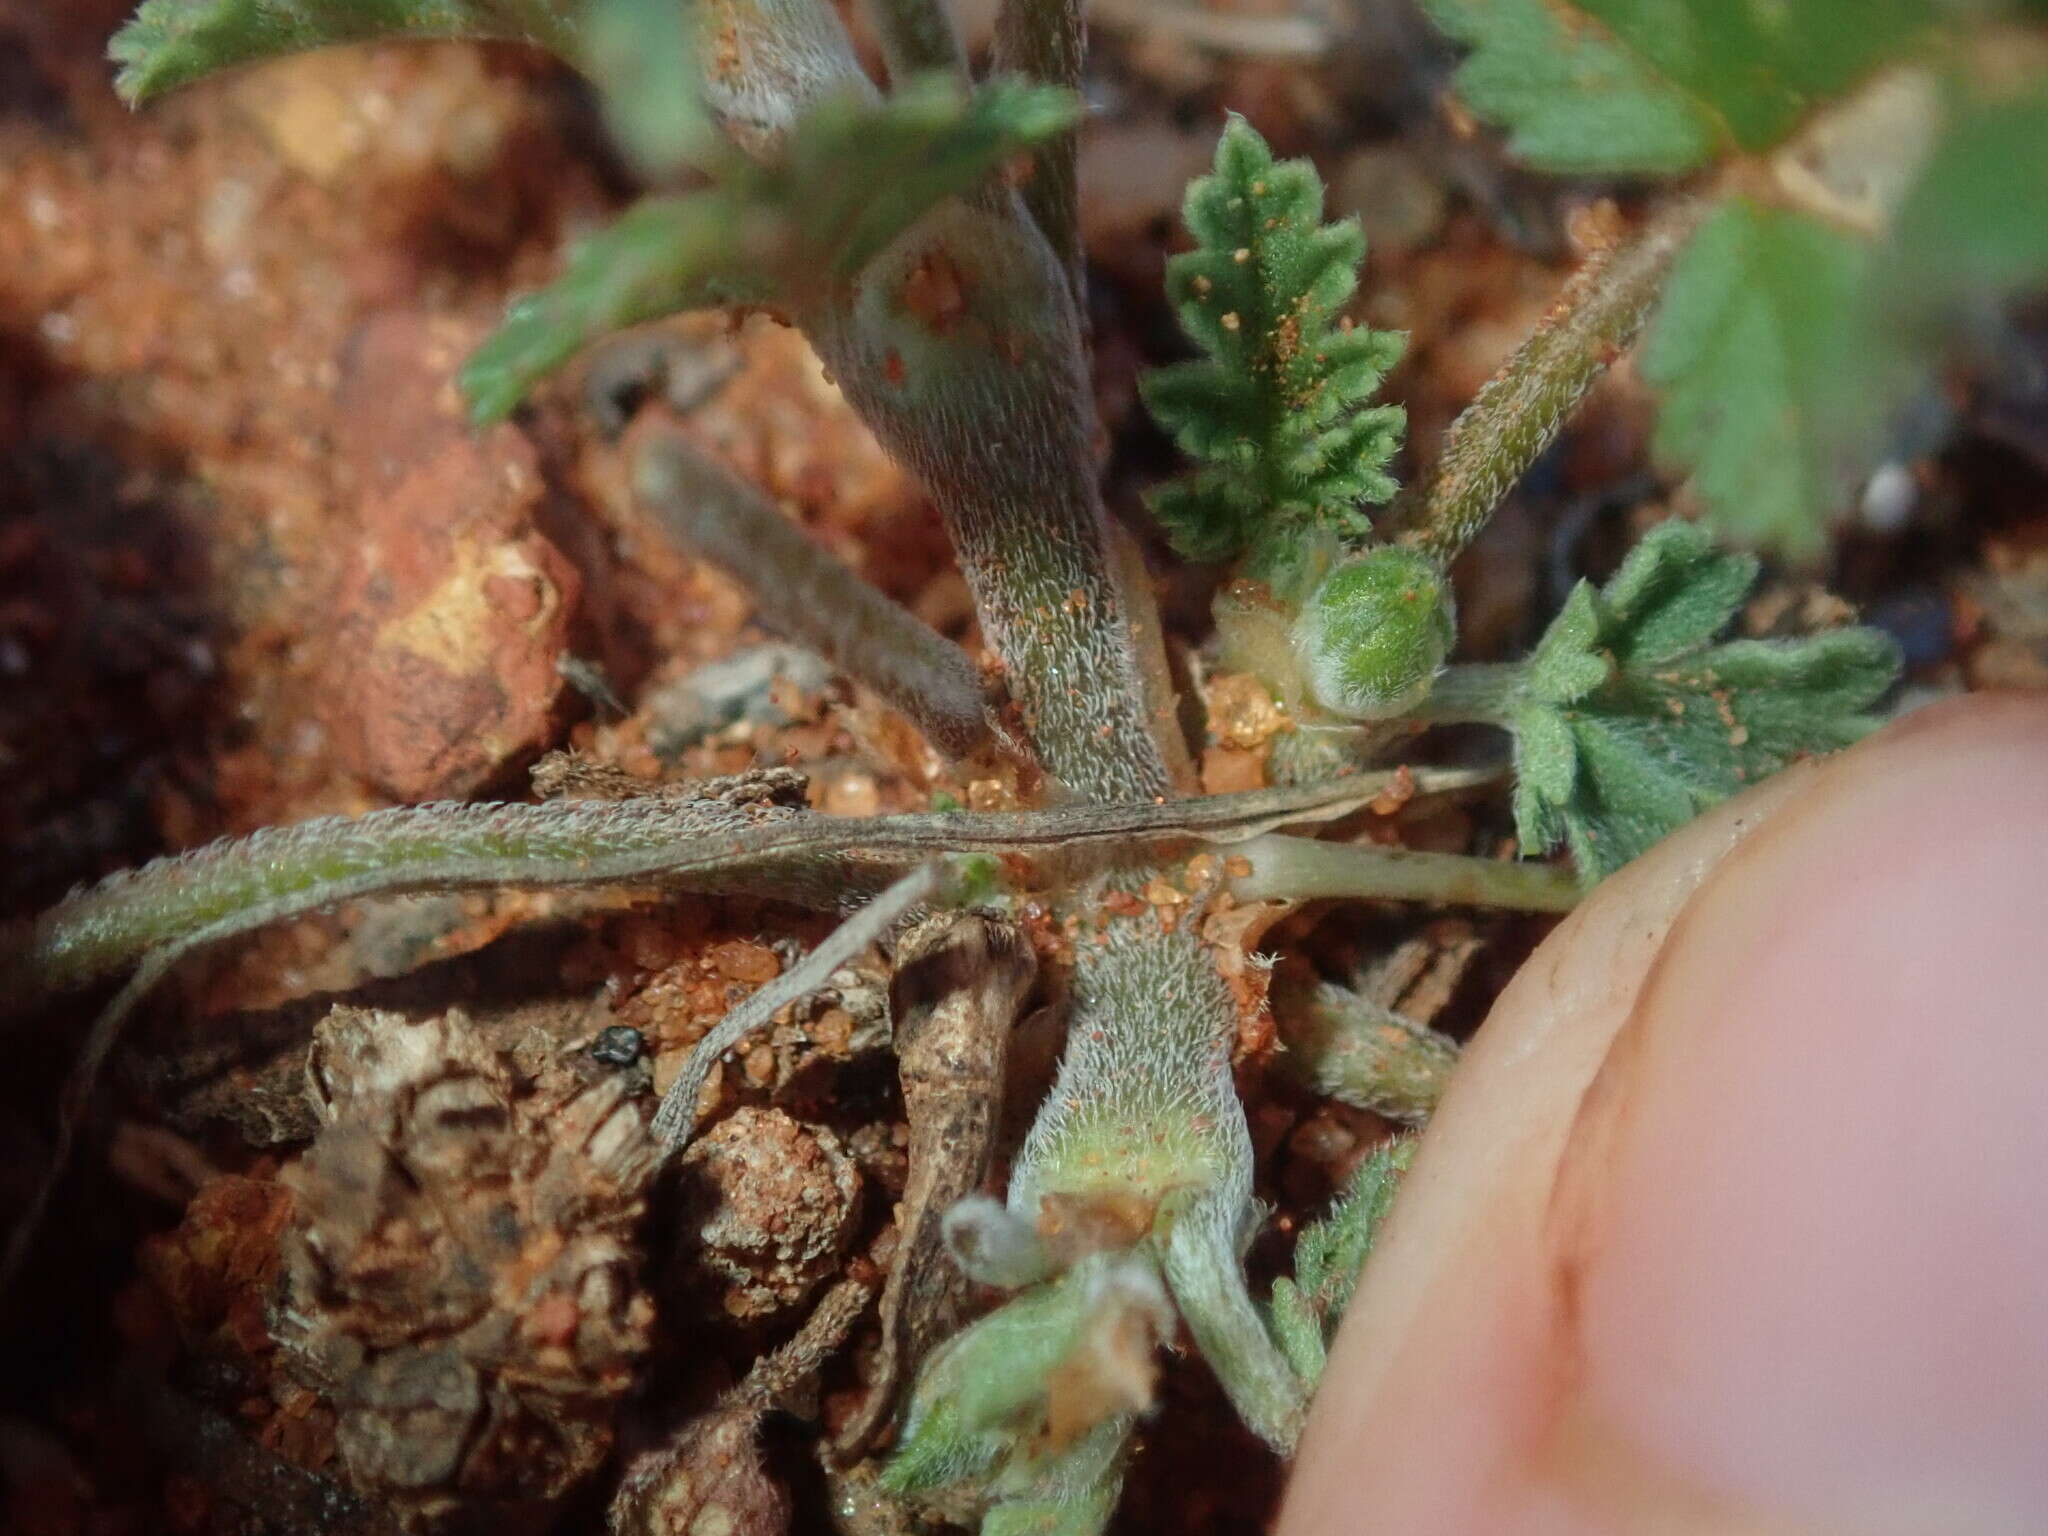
(453, 612)
(771, 1209)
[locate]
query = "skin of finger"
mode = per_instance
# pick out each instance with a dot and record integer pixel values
(1444, 1332)
(1451, 1403)
(1799, 1230)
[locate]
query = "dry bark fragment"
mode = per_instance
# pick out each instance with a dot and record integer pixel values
(960, 981)
(708, 1480)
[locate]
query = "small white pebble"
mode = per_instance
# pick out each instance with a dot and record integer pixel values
(1889, 498)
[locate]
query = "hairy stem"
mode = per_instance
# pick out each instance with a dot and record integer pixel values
(960, 347)
(801, 590)
(678, 1112)
(1347, 1047)
(1301, 869)
(1047, 40)
(233, 887)
(1520, 411)
(917, 35)
(1145, 1117)
(707, 843)
(1204, 1267)
(1482, 694)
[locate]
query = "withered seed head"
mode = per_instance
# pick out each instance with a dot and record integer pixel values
(462, 1278)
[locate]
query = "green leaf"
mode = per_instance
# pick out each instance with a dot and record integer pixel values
(859, 173)
(1973, 228)
(978, 1389)
(1666, 85)
(664, 255)
(1276, 410)
(981, 1401)
(1330, 1255)
(643, 56)
(170, 43)
(855, 174)
(1068, 1491)
(1573, 99)
(1775, 388)
(1629, 720)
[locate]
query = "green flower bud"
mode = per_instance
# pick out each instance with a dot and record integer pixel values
(1372, 637)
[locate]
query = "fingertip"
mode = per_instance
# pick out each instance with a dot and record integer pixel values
(1588, 1312)
(1807, 1237)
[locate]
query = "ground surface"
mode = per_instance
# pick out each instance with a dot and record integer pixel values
(253, 569)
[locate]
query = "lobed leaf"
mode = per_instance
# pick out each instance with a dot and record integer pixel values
(1664, 86)
(1629, 720)
(1773, 375)
(663, 256)
(643, 56)
(1276, 409)
(985, 1400)
(855, 174)
(1572, 97)
(1330, 1255)
(1973, 228)
(859, 173)
(170, 43)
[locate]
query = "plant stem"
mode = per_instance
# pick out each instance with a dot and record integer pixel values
(1347, 1047)
(678, 1112)
(990, 408)
(1301, 869)
(917, 35)
(1047, 40)
(710, 842)
(960, 346)
(1482, 694)
(1205, 1272)
(232, 887)
(801, 590)
(1520, 411)
(1145, 1115)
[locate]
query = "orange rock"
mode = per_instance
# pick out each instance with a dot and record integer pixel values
(453, 610)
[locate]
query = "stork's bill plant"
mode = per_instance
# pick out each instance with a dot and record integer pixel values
(923, 239)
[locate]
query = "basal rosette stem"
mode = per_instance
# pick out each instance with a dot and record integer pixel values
(1144, 1117)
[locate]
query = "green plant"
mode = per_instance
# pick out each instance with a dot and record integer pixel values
(943, 300)
(1867, 166)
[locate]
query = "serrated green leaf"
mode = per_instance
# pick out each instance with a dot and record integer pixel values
(1068, 1491)
(1674, 593)
(1564, 665)
(966, 1413)
(663, 256)
(859, 173)
(1774, 389)
(855, 174)
(1666, 85)
(1573, 99)
(1762, 65)
(170, 43)
(1673, 722)
(1276, 410)
(1330, 1255)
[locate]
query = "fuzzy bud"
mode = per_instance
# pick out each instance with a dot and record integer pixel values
(1373, 636)
(992, 1245)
